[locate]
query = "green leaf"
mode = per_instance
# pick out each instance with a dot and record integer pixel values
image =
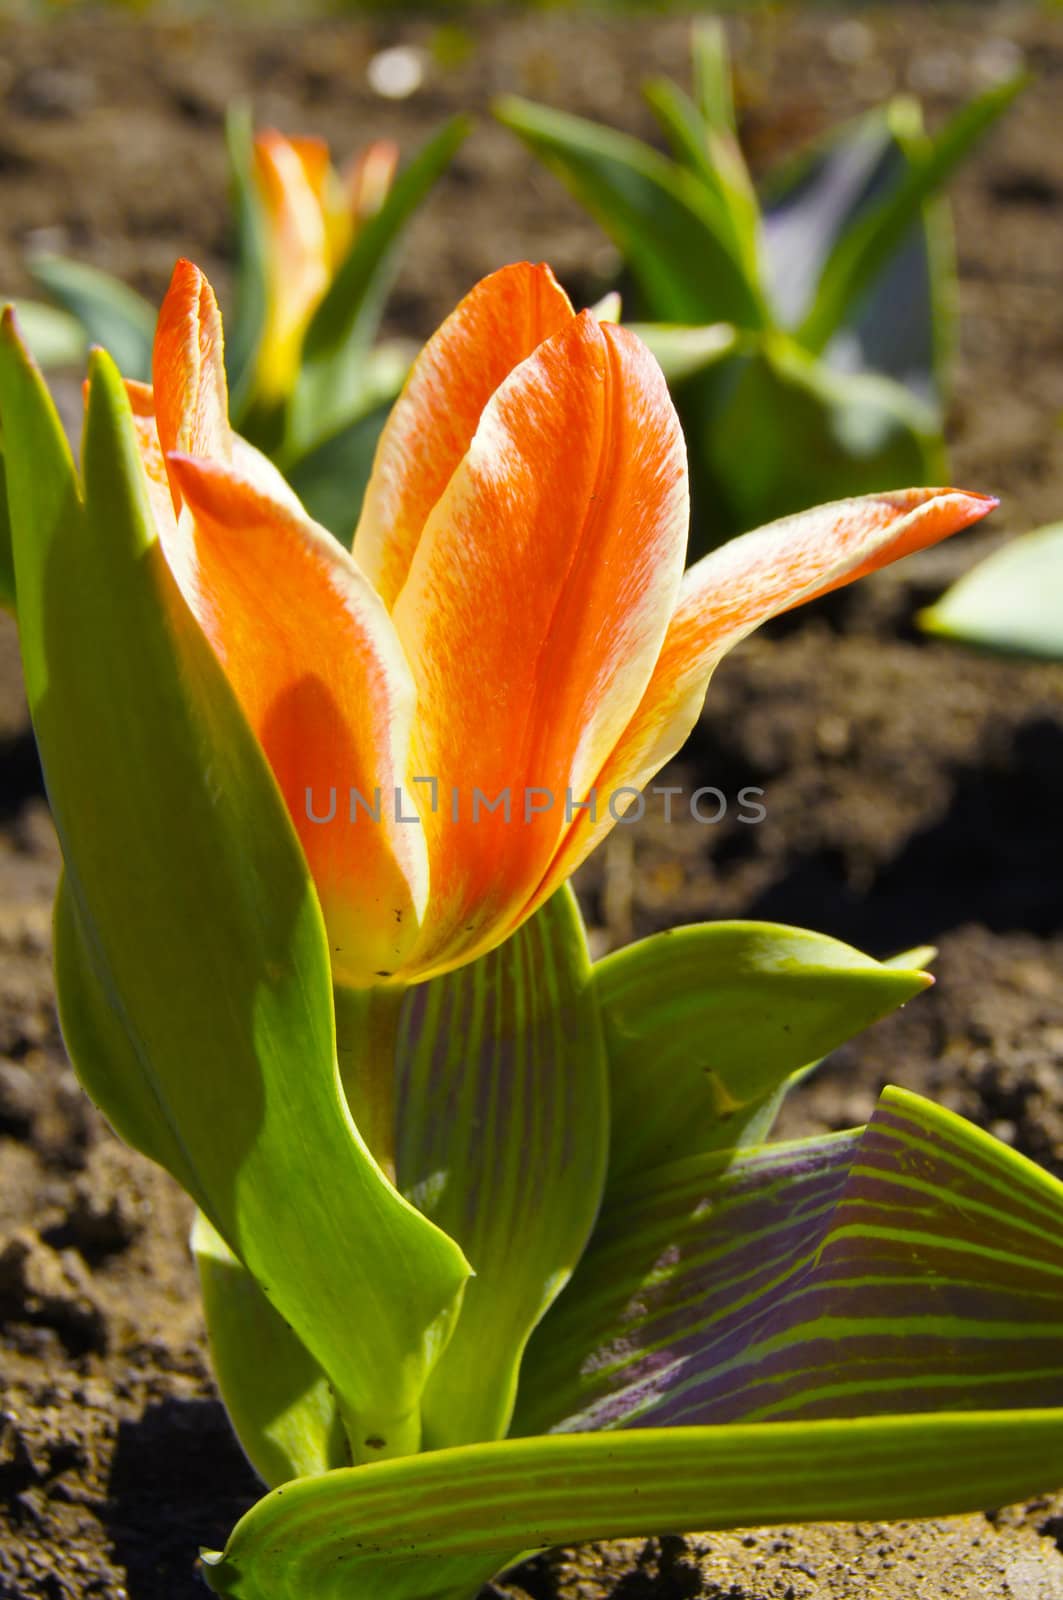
(672, 230)
(704, 1024)
(331, 376)
(864, 249)
(1012, 601)
(194, 977)
(55, 338)
(111, 314)
(279, 1400)
(244, 324)
(7, 557)
(502, 1113)
(772, 431)
(716, 160)
(331, 478)
(911, 1266)
(712, 75)
(435, 1526)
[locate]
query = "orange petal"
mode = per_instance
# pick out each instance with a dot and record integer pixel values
(497, 326)
(744, 583)
(188, 371)
(535, 608)
(314, 660)
(368, 178)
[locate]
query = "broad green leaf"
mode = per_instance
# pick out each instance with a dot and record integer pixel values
(912, 1266)
(1012, 601)
(110, 313)
(670, 228)
(279, 1400)
(343, 326)
(502, 1116)
(435, 1526)
(244, 323)
(194, 972)
(55, 337)
(704, 1024)
(865, 248)
(771, 431)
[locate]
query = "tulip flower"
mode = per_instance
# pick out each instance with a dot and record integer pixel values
(311, 214)
(459, 709)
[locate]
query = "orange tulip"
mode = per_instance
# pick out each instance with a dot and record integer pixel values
(514, 619)
(312, 214)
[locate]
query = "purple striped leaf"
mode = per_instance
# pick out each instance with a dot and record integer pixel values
(912, 1266)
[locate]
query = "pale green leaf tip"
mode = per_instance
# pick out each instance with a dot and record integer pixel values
(211, 1558)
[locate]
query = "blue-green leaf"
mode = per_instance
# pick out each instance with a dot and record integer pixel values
(879, 230)
(673, 231)
(56, 338)
(1012, 601)
(111, 314)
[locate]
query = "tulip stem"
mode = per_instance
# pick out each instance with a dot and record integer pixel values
(366, 1030)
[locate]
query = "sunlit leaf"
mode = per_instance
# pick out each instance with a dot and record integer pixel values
(1012, 601)
(435, 1526)
(704, 1024)
(194, 977)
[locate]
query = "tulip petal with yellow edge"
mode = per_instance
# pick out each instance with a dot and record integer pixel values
(293, 176)
(742, 584)
(500, 322)
(315, 662)
(536, 605)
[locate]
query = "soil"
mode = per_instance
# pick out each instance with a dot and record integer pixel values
(913, 791)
